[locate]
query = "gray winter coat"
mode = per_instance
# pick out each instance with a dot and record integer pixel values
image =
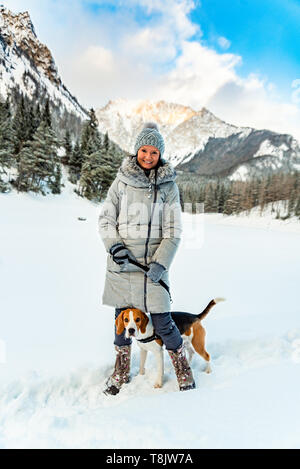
(146, 218)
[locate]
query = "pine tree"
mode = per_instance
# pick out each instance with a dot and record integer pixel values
(55, 184)
(32, 124)
(20, 126)
(99, 171)
(26, 169)
(48, 163)
(37, 117)
(210, 202)
(67, 144)
(46, 115)
(75, 163)
(297, 208)
(90, 138)
(221, 198)
(7, 146)
(291, 203)
(91, 177)
(7, 137)
(106, 142)
(39, 166)
(89, 158)
(232, 204)
(110, 162)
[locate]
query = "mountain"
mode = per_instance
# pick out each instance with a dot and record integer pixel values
(27, 65)
(199, 142)
(240, 156)
(196, 141)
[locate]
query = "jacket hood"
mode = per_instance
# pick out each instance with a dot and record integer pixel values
(132, 174)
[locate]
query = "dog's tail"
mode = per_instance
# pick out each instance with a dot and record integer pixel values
(208, 307)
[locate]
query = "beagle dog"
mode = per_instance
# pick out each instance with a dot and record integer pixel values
(139, 325)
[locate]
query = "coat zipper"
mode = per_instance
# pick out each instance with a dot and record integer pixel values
(147, 242)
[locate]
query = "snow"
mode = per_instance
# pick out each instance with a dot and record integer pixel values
(260, 219)
(56, 338)
(240, 174)
(266, 148)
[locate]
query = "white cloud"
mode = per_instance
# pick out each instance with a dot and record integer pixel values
(223, 42)
(174, 13)
(197, 74)
(154, 45)
(296, 91)
(98, 58)
(249, 102)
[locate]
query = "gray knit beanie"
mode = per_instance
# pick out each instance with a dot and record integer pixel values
(150, 135)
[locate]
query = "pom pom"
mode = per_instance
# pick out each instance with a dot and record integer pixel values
(151, 125)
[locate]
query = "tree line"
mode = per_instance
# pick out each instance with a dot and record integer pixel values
(28, 148)
(232, 197)
(32, 154)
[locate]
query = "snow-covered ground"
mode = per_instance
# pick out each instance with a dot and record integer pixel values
(56, 337)
(265, 219)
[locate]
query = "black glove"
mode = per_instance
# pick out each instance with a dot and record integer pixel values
(155, 272)
(121, 254)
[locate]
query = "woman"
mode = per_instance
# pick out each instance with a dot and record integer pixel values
(141, 221)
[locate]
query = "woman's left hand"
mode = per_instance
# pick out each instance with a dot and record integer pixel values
(155, 271)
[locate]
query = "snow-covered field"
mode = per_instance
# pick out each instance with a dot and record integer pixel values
(56, 338)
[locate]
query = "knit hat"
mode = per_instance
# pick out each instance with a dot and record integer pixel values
(150, 135)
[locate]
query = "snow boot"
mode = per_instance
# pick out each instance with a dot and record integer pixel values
(121, 372)
(182, 369)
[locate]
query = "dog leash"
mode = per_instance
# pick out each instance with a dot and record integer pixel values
(145, 269)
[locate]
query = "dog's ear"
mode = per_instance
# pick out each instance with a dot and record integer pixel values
(144, 322)
(120, 323)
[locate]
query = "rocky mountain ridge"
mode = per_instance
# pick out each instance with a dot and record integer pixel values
(199, 142)
(28, 66)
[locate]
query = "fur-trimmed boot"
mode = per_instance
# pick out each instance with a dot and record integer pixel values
(121, 373)
(182, 369)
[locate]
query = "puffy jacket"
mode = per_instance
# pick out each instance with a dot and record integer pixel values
(144, 214)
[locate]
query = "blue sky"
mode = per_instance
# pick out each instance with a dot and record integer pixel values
(210, 53)
(264, 32)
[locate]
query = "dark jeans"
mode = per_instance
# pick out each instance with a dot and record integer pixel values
(164, 326)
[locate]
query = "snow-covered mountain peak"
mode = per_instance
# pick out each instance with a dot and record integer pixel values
(185, 129)
(19, 24)
(162, 112)
(18, 32)
(27, 65)
(197, 140)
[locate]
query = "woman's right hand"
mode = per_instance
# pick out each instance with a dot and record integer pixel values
(121, 254)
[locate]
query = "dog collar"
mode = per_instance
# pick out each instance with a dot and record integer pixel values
(149, 339)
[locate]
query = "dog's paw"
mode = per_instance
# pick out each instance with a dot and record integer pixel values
(142, 372)
(208, 369)
(157, 385)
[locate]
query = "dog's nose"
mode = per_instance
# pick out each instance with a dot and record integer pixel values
(131, 331)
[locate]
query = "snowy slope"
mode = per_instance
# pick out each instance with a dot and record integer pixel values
(58, 336)
(265, 220)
